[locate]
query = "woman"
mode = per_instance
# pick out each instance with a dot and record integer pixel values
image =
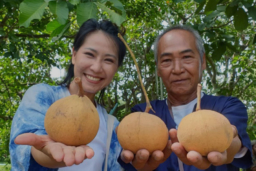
(97, 54)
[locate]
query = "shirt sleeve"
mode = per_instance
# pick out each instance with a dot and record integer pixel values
(29, 118)
(236, 113)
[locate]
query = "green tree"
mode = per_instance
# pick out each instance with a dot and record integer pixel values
(37, 34)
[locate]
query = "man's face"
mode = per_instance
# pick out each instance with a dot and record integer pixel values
(179, 63)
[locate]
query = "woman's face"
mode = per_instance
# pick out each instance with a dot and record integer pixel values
(96, 62)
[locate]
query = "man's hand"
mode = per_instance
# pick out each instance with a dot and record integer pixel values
(44, 147)
(213, 158)
(143, 161)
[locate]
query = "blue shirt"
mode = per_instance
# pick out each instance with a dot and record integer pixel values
(30, 118)
(231, 107)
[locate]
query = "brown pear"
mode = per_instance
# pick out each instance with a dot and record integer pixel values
(72, 120)
(142, 130)
(205, 131)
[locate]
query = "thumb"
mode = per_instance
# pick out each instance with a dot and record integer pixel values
(31, 139)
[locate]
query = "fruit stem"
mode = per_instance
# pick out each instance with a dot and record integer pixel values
(148, 107)
(198, 106)
(79, 82)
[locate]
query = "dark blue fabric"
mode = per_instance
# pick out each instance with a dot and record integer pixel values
(231, 107)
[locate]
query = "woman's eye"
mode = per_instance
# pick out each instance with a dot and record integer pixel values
(110, 60)
(89, 54)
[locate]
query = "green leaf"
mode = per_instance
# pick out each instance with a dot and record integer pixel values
(217, 54)
(240, 19)
(211, 6)
(211, 16)
(231, 10)
(199, 1)
(86, 11)
(178, 1)
(232, 47)
(117, 4)
(57, 33)
(221, 8)
(200, 6)
(252, 12)
(254, 40)
(61, 10)
(31, 9)
(115, 17)
(52, 25)
(74, 2)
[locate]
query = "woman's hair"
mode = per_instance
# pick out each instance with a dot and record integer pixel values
(88, 27)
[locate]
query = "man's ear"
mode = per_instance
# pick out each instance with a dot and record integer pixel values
(73, 55)
(204, 63)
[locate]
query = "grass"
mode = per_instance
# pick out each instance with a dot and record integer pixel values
(6, 167)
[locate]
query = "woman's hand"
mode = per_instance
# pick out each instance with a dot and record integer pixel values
(54, 154)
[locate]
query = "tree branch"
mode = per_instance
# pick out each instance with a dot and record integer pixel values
(35, 36)
(213, 69)
(244, 88)
(4, 20)
(5, 118)
(216, 27)
(7, 89)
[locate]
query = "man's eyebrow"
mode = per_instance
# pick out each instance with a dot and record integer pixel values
(165, 54)
(186, 51)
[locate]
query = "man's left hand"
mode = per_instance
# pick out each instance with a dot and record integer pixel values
(196, 159)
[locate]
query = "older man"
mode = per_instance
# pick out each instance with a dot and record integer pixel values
(180, 60)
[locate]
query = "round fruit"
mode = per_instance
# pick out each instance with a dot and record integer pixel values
(205, 131)
(72, 120)
(142, 130)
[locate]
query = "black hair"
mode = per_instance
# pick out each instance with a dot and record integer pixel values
(88, 27)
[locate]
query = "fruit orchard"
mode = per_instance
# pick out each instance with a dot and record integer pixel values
(36, 35)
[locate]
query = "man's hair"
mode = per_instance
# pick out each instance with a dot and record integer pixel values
(198, 39)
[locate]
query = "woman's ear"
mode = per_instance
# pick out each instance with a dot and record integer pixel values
(73, 55)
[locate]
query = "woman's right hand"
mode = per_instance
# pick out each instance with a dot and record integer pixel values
(58, 153)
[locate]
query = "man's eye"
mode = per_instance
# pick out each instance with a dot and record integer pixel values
(167, 60)
(186, 57)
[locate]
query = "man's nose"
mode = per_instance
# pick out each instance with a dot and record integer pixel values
(177, 67)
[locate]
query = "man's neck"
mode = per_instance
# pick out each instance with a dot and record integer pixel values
(177, 100)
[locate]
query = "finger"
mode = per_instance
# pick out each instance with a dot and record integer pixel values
(198, 160)
(234, 131)
(31, 139)
(80, 155)
(69, 155)
(155, 159)
(168, 150)
(56, 151)
(140, 159)
(180, 152)
(217, 158)
(127, 156)
(89, 153)
(173, 135)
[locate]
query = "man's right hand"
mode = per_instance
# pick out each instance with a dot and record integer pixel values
(54, 153)
(143, 161)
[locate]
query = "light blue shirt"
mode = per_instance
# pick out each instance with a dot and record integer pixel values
(30, 118)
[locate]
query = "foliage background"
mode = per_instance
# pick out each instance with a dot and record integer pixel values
(36, 35)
